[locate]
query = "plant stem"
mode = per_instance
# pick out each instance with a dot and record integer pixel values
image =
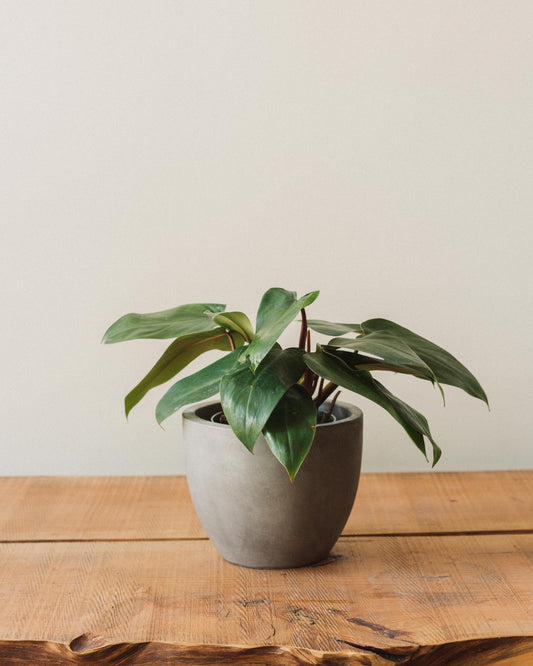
(325, 393)
(327, 415)
(309, 378)
(307, 381)
(303, 330)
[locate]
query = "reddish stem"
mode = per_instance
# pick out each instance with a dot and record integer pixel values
(325, 393)
(326, 416)
(303, 330)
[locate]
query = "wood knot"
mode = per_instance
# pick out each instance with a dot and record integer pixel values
(85, 642)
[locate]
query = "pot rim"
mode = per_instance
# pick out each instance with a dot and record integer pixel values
(191, 414)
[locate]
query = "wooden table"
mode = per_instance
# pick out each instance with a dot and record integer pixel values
(432, 568)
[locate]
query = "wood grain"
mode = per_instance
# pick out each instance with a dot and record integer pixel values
(376, 595)
(91, 508)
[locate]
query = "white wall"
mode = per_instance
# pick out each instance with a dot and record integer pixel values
(157, 153)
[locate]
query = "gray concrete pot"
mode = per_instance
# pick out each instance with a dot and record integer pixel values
(246, 503)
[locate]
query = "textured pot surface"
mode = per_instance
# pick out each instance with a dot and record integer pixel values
(247, 504)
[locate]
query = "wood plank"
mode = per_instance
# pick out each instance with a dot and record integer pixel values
(159, 507)
(443, 503)
(97, 507)
(384, 598)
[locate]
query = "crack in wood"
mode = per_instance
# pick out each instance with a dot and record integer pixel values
(378, 628)
(396, 655)
(250, 602)
(302, 615)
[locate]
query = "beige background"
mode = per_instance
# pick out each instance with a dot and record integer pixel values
(156, 153)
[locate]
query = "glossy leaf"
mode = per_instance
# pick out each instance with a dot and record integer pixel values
(249, 398)
(360, 381)
(196, 387)
(331, 328)
(358, 361)
(235, 321)
(176, 357)
(277, 309)
(446, 368)
(291, 428)
(390, 348)
(183, 320)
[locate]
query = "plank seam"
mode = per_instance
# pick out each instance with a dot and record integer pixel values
(364, 535)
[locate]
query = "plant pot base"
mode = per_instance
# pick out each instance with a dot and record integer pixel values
(290, 563)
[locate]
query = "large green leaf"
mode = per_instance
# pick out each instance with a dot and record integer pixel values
(235, 321)
(176, 357)
(335, 370)
(173, 323)
(277, 309)
(291, 428)
(390, 348)
(249, 398)
(446, 368)
(331, 328)
(199, 386)
(370, 363)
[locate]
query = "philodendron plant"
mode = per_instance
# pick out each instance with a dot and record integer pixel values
(282, 392)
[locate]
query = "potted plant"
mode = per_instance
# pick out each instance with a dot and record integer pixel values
(287, 504)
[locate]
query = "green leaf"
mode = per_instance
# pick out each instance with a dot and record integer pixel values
(391, 349)
(249, 398)
(291, 428)
(176, 357)
(277, 309)
(446, 368)
(196, 387)
(330, 328)
(173, 323)
(360, 381)
(386, 346)
(235, 321)
(358, 361)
